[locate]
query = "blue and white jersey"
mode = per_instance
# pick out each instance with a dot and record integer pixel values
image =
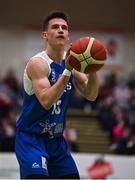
(34, 117)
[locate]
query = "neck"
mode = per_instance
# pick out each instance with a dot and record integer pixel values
(55, 54)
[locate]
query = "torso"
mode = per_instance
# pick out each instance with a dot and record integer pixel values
(34, 117)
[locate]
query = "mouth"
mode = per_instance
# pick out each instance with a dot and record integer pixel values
(60, 37)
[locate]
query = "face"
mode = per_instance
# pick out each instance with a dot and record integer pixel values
(57, 33)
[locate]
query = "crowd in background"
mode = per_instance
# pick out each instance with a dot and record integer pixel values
(10, 106)
(115, 107)
(116, 112)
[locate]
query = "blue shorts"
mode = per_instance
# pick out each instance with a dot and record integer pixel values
(38, 154)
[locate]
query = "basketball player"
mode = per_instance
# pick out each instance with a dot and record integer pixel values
(41, 149)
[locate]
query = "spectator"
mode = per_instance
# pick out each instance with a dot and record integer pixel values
(126, 144)
(10, 93)
(7, 136)
(106, 115)
(11, 81)
(122, 123)
(108, 86)
(122, 93)
(131, 82)
(131, 111)
(71, 137)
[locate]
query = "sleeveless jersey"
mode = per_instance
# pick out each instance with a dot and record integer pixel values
(34, 117)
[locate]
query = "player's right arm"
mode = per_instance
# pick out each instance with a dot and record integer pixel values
(38, 72)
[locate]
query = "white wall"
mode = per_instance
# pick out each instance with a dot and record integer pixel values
(12, 41)
(123, 166)
(129, 50)
(16, 45)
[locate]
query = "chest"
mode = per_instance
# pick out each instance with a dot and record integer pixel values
(56, 72)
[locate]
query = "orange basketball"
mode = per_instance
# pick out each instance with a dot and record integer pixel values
(87, 54)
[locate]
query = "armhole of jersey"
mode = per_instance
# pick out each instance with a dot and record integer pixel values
(27, 81)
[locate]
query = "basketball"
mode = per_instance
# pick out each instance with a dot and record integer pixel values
(87, 54)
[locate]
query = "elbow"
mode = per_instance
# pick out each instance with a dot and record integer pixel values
(46, 103)
(92, 97)
(47, 106)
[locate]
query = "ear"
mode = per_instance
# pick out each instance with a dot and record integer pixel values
(44, 35)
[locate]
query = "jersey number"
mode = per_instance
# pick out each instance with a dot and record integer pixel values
(56, 107)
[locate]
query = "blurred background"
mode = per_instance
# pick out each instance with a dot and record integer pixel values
(106, 126)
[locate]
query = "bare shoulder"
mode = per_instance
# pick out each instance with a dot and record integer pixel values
(37, 67)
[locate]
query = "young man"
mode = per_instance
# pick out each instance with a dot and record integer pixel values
(41, 149)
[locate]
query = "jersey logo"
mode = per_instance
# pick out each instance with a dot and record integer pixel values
(47, 128)
(53, 78)
(35, 165)
(58, 128)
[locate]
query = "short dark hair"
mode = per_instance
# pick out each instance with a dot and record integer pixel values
(52, 15)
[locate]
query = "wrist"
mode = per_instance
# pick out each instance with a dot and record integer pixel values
(66, 72)
(92, 73)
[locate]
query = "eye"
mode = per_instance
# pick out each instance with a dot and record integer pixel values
(64, 27)
(55, 26)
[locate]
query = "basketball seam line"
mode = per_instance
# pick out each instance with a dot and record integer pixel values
(85, 59)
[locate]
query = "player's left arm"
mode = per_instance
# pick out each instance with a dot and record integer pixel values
(87, 84)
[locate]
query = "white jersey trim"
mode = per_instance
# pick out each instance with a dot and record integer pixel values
(28, 87)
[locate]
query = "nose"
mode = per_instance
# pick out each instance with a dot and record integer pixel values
(60, 30)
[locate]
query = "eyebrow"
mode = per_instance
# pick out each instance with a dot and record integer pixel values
(59, 25)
